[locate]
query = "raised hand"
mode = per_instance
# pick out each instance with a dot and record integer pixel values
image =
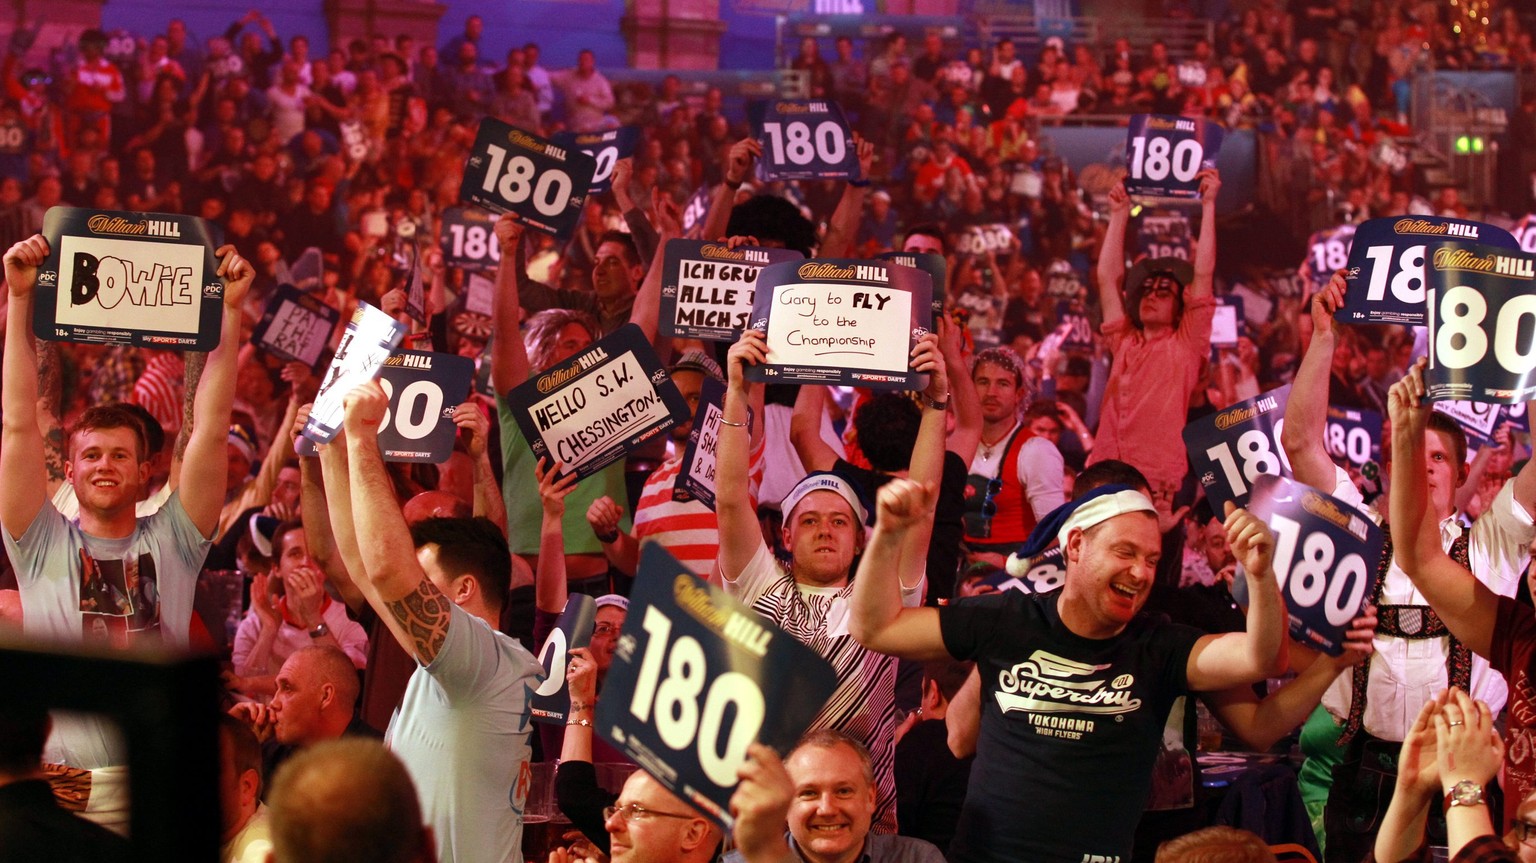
(21, 263)
(474, 426)
(1253, 544)
(364, 408)
(553, 486)
(902, 503)
(604, 515)
(237, 273)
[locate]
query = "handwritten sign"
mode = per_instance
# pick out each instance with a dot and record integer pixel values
(511, 171)
(138, 279)
(803, 140)
(841, 321)
(1326, 553)
(469, 239)
(552, 700)
(1230, 450)
(590, 410)
(694, 672)
(707, 289)
(606, 148)
(696, 479)
(1482, 324)
(370, 338)
(1165, 153)
(295, 326)
(981, 240)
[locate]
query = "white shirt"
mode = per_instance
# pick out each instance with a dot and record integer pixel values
(1041, 470)
(1406, 674)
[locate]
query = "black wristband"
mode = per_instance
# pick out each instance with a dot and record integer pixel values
(605, 538)
(859, 184)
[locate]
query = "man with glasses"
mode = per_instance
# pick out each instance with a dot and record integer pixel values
(1160, 335)
(649, 823)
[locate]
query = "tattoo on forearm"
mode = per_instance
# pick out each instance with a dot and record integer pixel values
(195, 361)
(424, 613)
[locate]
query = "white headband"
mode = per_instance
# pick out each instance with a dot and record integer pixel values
(1102, 509)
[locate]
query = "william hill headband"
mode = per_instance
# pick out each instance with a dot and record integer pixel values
(823, 480)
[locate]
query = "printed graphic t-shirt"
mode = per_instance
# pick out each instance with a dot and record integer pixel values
(1070, 728)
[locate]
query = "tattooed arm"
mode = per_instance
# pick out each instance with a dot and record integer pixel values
(195, 362)
(397, 588)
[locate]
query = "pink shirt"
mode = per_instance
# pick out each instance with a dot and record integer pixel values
(1147, 401)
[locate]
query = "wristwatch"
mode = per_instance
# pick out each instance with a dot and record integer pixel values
(1464, 793)
(320, 631)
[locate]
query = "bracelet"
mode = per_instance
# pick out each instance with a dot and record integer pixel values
(859, 184)
(606, 538)
(584, 723)
(726, 422)
(937, 405)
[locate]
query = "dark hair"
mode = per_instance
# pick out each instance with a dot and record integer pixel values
(23, 731)
(1443, 424)
(948, 674)
(1108, 472)
(1043, 408)
(769, 217)
(154, 432)
(244, 749)
(930, 229)
(1004, 358)
(473, 547)
(280, 535)
(886, 425)
(112, 416)
(1134, 294)
(627, 241)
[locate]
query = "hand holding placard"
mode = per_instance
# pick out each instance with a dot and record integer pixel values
(1481, 346)
(21, 263)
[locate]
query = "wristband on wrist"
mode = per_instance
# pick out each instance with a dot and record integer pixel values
(937, 404)
(609, 537)
(584, 723)
(859, 184)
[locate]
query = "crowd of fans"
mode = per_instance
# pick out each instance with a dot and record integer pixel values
(377, 596)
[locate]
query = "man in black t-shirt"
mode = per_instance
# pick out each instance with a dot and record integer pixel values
(1076, 685)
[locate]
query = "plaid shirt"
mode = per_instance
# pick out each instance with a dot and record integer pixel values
(1485, 849)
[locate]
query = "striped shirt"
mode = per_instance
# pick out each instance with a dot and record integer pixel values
(159, 390)
(863, 705)
(687, 529)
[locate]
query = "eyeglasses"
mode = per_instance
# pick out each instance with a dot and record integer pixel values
(1525, 831)
(636, 812)
(1160, 290)
(606, 629)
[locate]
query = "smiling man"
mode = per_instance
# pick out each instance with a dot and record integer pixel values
(649, 824)
(1076, 685)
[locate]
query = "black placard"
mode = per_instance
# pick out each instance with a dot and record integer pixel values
(1386, 275)
(606, 148)
(1230, 450)
(1164, 234)
(696, 477)
(803, 140)
(841, 321)
(371, 336)
(694, 674)
(1326, 554)
(1164, 154)
(424, 390)
(468, 239)
(595, 407)
(295, 326)
(1327, 253)
(552, 700)
(707, 288)
(1482, 324)
(511, 171)
(1353, 436)
(141, 279)
(931, 263)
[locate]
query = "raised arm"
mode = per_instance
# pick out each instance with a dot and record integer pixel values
(1234, 658)
(879, 621)
(805, 428)
(966, 436)
(1111, 269)
(1306, 413)
(738, 169)
(509, 357)
(647, 308)
(740, 535)
(316, 512)
(1467, 606)
(203, 474)
(1418, 786)
(647, 243)
(477, 431)
(23, 476)
(844, 225)
(1205, 244)
(397, 588)
(550, 589)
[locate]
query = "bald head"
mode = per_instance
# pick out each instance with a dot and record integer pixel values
(344, 801)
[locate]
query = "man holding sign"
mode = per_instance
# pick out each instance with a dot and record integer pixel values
(1416, 654)
(824, 524)
(108, 575)
(1076, 686)
(1160, 335)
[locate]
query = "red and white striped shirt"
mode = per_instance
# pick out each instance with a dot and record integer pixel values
(689, 530)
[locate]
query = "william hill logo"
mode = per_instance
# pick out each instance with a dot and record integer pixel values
(792, 108)
(410, 361)
(1423, 226)
(1234, 416)
(518, 137)
(104, 224)
(824, 271)
(1167, 124)
(714, 251)
(1499, 265)
(1325, 509)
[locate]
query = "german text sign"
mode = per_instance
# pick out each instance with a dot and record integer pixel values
(1326, 554)
(803, 140)
(590, 410)
(1230, 450)
(511, 171)
(839, 321)
(707, 288)
(1482, 324)
(139, 279)
(694, 674)
(370, 338)
(296, 326)
(1386, 274)
(552, 700)
(1164, 153)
